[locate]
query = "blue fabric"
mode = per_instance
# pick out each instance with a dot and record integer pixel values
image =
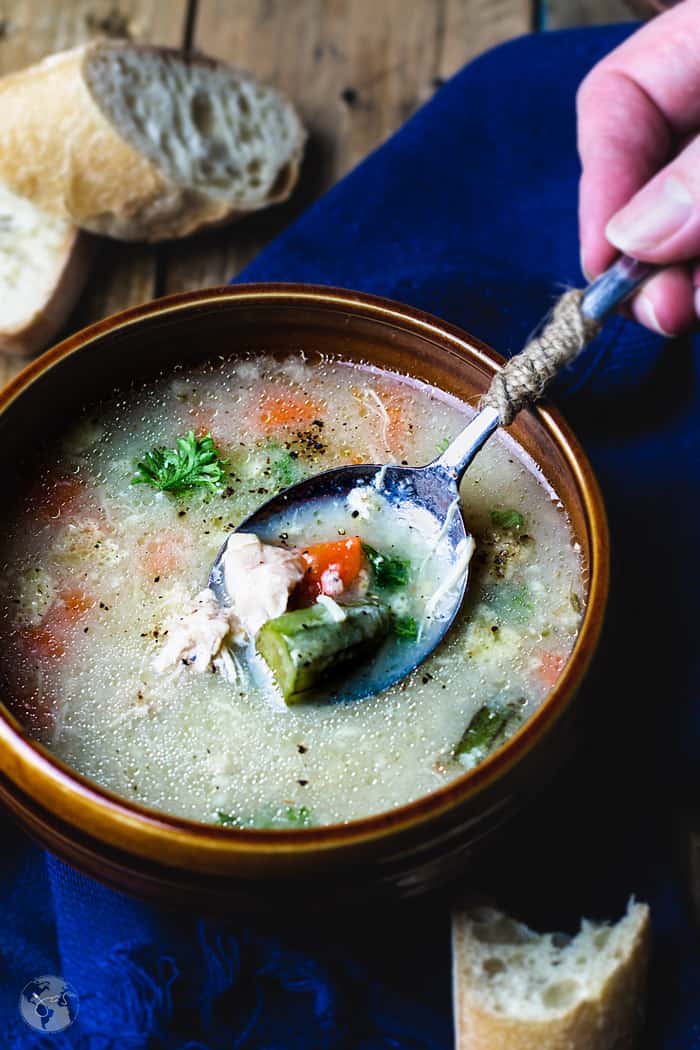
(470, 212)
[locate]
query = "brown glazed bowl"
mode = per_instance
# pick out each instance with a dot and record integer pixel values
(399, 853)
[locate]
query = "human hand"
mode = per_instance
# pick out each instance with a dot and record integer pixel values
(639, 143)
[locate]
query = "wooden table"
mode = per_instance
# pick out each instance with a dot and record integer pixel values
(357, 69)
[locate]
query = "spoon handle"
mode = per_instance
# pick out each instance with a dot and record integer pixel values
(598, 301)
(613, 286)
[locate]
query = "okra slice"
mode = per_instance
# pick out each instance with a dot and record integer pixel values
(487, 730)
(304, 646)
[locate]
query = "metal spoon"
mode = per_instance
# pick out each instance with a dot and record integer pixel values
(434, 487)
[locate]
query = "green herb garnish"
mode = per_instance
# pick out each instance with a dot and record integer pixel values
(507, 519)
(285, 468)
(226, 820)
(387, 573)
(406, 627)
(290, 817)
(194, 463)
(442, 446)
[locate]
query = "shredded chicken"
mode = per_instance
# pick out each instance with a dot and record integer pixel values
(196, 638)
(259, 579)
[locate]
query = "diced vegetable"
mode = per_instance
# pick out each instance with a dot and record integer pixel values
(406, 627)
(48, 639)
(285, 408)
(304, 646)
(284, 468)
(507, 519)
(442, 446)
(53, 497)
(287, 817)
(193, 463)
(165, 552)
(550, 667)
(388, 573)
(512, 602)
(331, 569)
(487, 730)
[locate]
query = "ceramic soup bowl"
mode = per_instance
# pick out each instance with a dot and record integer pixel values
(409, 850)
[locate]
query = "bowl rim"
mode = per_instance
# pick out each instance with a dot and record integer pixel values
(55, 774)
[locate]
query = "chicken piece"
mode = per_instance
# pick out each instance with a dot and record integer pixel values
(196, 638)
(259, 579)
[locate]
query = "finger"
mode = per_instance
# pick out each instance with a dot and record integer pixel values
(662, 221)
(622, 142)
(696, 286)
(631, 108)
(663, 59)
(666, 302)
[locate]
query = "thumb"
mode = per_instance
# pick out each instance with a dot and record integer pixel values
(662, 221)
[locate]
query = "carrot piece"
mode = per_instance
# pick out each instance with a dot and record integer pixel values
(331, 568)
(44, 641)
(284, 408)
(56, 498)
(48, 639)
(74, 604)
(550, 667)
(163, 554)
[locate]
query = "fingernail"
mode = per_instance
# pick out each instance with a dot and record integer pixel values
(646, 308)
(584, 269)
(652, 218)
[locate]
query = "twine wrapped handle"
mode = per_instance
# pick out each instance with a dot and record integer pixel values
(524, 378)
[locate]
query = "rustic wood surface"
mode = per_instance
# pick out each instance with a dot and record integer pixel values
(357, 69)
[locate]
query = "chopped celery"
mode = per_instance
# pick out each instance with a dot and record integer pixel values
(507, 519)
(282, 817)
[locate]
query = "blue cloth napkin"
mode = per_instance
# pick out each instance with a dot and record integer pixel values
(469, 211)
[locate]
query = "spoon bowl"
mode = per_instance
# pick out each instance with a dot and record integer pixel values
(433, 489)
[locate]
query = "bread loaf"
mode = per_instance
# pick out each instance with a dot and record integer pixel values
(515, 989)
(139, 143)
(44, 263)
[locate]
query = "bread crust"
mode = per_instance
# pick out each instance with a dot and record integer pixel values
(611, 1021)
(49, 317)
(59, 150)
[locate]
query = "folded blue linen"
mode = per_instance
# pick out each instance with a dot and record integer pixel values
(470, 212)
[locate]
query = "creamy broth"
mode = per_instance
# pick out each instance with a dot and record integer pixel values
(96, 567)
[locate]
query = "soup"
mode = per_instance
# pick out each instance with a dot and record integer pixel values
(99, 571)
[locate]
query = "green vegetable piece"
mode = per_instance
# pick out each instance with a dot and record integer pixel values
(483, 729)
(290, 817)
(387, 573)
(442, 446)
(406, 627)
(285, 467)
(303, 647)
(507, 519)
(488, 729)
(294, 818)
(226, 820)
(193, 463)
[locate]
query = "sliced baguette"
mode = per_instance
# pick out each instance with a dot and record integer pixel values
(44, 263)
(138, 143)
(518, 990)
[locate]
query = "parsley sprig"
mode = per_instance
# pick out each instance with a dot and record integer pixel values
(193, 463)
(387, 573)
